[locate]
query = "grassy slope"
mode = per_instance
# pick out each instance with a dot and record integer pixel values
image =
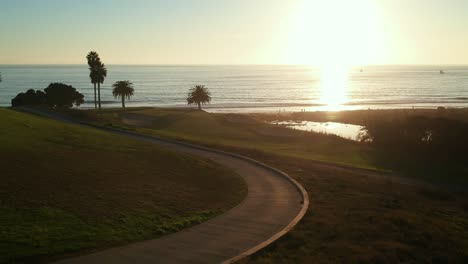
(65, 188)
(237, 131)
(359, 217)
(355, 216)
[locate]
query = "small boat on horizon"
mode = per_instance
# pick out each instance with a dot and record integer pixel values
(441, 72)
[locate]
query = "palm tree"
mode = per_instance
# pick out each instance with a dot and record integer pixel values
(123, 89)
(97, 74)
(101, 74)
(199, 95)
(93, 60)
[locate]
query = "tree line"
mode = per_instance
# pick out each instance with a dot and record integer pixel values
(62, 95)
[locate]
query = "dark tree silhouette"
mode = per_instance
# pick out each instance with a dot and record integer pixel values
(97, 73)
(101, 73)
(93, 61)
(31, 97)
(199, 95)
(62, 96)
(123, 89)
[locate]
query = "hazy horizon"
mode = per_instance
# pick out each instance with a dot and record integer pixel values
(207, 32)
(220, 64)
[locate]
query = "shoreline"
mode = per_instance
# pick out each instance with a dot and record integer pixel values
(279, 109)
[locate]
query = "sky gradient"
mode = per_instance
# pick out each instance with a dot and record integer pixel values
(235, 31)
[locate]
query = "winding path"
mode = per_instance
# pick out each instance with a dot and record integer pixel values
(274, 204)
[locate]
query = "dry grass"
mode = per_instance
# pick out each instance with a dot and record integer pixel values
(359, 216)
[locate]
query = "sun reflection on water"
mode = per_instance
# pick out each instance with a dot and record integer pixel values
(333, 83)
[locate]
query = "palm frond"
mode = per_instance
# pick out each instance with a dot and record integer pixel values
(123, 88)
(199, 94)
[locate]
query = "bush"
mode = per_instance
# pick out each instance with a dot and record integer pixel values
(420, 141)
(31, 97)
(62, 95)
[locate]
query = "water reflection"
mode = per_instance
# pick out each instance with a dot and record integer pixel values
(333, 82)
(343, 130)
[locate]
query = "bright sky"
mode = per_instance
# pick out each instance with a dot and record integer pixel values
(235, 31)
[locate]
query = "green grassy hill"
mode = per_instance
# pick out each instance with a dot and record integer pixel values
(232, 130)
(66, 188)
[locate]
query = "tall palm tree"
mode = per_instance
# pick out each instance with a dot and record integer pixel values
(123, 89)
(101, 74)
(97, 74)
(93, 61)
(199, 95)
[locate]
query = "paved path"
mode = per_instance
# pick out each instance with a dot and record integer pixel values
(273, 205)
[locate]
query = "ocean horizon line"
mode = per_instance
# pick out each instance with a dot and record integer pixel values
(233, 64)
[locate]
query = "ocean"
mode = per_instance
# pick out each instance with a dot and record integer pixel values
(255, 88)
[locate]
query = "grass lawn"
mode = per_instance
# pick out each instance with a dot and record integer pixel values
(66, 189)
(231, 130)
(355, 215)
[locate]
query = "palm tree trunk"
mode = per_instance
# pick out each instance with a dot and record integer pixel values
(199, 106)
(99, 95)
(123, 101)
(95, 99)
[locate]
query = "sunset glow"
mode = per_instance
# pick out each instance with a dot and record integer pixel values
(337, 33)
(309, 32)
(333, 81)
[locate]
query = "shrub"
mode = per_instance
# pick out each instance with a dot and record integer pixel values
(420, 141)
(31, 97)
(62, 95)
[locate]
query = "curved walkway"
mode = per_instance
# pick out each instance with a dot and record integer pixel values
(274, 204)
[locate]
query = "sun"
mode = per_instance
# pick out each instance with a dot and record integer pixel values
(334, 35)
(335, 31)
